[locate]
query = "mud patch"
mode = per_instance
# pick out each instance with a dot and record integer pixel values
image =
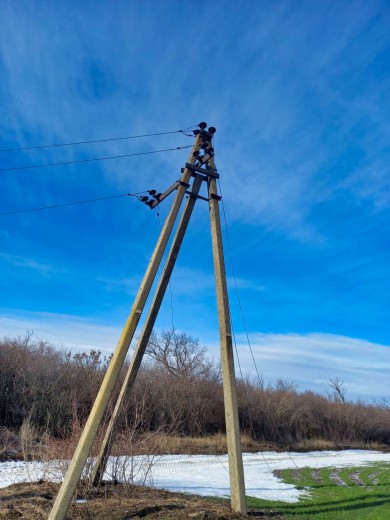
(316, 476)
(354, 477)
(335, 477)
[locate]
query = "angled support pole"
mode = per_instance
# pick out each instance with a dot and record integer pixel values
(132, 371)
(236, 469)
(68, 487)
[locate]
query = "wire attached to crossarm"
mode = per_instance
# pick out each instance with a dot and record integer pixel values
(94, 159)
(93, 141)
(29, 210)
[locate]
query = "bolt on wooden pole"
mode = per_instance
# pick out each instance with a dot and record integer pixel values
(236, 469)
(132, 371)
(68, 487)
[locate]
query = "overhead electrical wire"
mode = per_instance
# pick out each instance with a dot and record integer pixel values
(234, 335)
(92, 141)
(236, 285)
(244, 324)
(246, 393)
(28, 210)
(78, 161)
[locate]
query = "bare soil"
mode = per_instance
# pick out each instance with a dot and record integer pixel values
(115, 502)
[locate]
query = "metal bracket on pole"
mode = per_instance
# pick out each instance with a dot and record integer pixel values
(192, 195)
(205, 171)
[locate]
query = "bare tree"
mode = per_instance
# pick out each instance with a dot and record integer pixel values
(180, 355)
(338, 390)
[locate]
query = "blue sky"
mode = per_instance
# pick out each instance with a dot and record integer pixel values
(298, 92)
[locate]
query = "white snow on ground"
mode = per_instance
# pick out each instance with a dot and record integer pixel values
(208, 474)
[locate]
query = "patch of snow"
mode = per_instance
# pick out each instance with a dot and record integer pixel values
(208, 474)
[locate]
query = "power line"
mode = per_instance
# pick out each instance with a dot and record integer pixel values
(47, 165)
(236, 285)
(96, 140)
(71, 203)
(244, 323)
(246, 392)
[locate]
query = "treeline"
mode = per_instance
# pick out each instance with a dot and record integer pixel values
(178, 389)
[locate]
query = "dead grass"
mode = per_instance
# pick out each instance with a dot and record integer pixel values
(114, 502)
(217, 445)
(163, 444)
(323, 444)
(174, 444)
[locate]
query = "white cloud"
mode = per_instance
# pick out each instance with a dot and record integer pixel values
(307, 360)
(29, 263)
(281, 146)
(70, 332)
(310, 360)
(370, 182)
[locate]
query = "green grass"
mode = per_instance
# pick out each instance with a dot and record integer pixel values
(365, 499)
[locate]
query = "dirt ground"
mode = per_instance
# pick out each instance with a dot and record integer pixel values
(115, 502)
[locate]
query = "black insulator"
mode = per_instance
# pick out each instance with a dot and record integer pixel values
(204, 145)
(202, 125)
(212, 130)
(152, 192)
(157, 196)
(196, 132)
(144, 198)
(150, 203)
(209, 150)
(196, 153)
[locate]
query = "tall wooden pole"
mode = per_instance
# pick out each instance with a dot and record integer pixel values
(236, 470)
(196, 164)
(80, 456)
(132, 371)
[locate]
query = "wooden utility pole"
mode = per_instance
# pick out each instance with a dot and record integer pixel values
(236, 469)
(83, 448)
(201, 167)
(132, 371)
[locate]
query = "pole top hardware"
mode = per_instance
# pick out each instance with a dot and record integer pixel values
(201, 166)
(205, 171)
(211, 129)
(153, 200)
(208, 134)
(205, 135)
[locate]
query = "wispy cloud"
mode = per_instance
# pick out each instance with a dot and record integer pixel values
(63, 331)
(29, 263)
(307, 360)
(286, 140)
(299, 96)
(371, 183)
(311, 360)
